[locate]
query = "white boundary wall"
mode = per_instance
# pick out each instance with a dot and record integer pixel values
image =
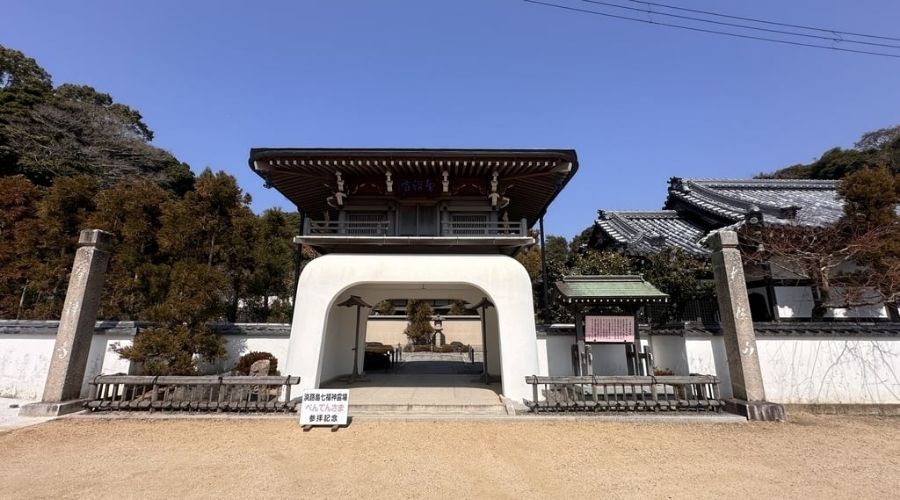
(796, 370)
(848, 370)
(25, 358)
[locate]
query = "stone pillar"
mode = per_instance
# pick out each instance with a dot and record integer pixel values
(76, 328)
(737, 328)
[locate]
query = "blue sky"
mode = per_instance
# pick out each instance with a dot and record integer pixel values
(639, 103)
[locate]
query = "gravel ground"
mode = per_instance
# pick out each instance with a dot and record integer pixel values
(809, 457)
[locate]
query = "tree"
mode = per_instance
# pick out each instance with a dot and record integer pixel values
(273, 261)
(53, 239)
(530, 259)
(181, 335)
(878, 148)
(19, 235)
(826, 256)
(557, 249)
(384, 307)
(684, 278)
(132, 212)
(870, 196)
(18, 71)
(47, 133)
(593, 262)
(458, 308)
(419, 314)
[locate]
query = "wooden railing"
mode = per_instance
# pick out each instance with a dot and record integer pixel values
(349, 228)
(624, 393)
(386, 228)
(484, 228)
(192, 393)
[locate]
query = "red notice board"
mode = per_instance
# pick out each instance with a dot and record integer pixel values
(609, 328)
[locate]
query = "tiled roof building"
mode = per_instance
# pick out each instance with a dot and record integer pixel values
(694, 207)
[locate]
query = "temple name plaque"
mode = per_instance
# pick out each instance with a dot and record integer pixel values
(324, 407)
(610, 329)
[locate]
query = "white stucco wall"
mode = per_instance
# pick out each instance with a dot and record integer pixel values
(669, 353)
(322, 333)
(830, 371)
(795, 370)
(555, 356)
(389, 331)
(707, 356)
(797, 302)
(25, 359)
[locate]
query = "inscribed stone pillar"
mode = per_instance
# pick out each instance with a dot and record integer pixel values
(76, 327)
(737, 324)
(737, 329)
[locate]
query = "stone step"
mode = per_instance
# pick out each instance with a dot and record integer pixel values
(427, 409)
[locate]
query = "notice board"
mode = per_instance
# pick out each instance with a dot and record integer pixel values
(609, 329)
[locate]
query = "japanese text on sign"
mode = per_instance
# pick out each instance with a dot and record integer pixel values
(324, 407)
(609, 329)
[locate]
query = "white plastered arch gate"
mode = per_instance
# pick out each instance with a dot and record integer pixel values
(329, 279)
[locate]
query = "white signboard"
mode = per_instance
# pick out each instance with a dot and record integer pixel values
(324, 407)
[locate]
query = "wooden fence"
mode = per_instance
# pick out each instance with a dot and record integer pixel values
(192, 393)
(625, 393)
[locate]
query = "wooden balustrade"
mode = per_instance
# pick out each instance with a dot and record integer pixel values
(625, 393)
(386, 228)
(192, 393)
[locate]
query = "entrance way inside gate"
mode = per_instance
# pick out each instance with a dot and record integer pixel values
(441, 372)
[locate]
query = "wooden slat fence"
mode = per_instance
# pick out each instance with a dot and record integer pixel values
(624, 393)
(192, 393)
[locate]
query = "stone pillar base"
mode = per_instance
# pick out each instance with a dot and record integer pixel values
(762, 411)
(42, 409)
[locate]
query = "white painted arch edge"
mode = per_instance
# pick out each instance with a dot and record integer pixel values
(502, 279)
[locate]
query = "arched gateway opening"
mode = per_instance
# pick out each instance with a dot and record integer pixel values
(323, 334)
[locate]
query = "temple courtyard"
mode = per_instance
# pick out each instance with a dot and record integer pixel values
(810, 456)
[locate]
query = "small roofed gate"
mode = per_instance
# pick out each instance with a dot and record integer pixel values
(605, 310)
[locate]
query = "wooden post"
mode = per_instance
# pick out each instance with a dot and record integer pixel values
(484, 361)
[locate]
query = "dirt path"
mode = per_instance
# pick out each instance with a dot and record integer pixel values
(810, 457)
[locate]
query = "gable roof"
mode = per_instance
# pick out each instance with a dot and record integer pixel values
(800, 201)
(607, 289)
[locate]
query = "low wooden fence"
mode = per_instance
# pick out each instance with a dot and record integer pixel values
(625, 393)
(192, 393)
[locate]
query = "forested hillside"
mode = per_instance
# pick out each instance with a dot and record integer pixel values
(188, 248)
(878, 148)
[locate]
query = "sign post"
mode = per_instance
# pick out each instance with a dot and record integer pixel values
(324, 407)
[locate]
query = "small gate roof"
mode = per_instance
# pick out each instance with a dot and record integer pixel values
(608, 290)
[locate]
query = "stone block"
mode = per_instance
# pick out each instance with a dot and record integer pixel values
(762, 411)
(51, 409)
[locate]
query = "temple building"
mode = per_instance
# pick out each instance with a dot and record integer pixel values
(696, 207)
(416, 223)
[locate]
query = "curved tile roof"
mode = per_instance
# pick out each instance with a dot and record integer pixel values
(806, 202)
(646, 232)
